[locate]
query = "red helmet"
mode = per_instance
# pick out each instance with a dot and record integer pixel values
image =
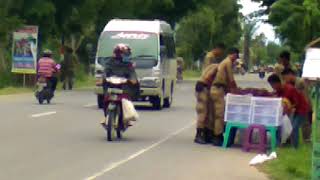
(121, 51)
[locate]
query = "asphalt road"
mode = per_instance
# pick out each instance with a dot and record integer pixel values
(65, 141)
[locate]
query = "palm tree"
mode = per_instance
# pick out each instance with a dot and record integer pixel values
(249, 28)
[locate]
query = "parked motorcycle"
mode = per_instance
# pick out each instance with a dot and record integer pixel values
(115, 96)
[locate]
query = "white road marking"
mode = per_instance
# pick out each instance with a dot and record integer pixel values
(137, 154)
(90, 105)
(43, 114)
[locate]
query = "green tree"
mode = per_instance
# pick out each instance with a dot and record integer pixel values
(296, 21)
(211, 23)
(197, 33)
(258, 50)
(273, 51)
(79, 22)
(249, 29)
(8, 22)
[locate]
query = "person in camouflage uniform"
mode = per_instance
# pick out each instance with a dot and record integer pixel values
(223, 83)
(204, 133)
(215, 56)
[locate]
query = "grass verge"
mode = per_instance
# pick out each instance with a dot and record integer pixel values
(84, 83)
(291, 164)
(14, 90)
(191, 74)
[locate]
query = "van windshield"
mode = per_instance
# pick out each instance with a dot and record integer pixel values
(143, 45)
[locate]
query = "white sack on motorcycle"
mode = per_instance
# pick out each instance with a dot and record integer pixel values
(129, 112)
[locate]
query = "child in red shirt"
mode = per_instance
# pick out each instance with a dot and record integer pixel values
(300, 104)
(289, 76)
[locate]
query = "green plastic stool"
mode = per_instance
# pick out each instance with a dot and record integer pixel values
(229, 127)
(273, 133)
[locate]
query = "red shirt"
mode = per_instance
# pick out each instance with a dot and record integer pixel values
(46, 67)
(296, 98)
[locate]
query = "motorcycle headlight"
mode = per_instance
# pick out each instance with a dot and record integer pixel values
(150, 82)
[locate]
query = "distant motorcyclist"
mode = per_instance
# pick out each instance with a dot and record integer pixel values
(47, 68)
(180, 68)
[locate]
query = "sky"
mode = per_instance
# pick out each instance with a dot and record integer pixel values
(267, 29)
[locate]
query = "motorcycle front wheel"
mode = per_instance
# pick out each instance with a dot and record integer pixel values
(113, 127)
(110, 126)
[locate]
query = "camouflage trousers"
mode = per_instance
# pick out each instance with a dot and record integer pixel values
(204, 109)
(218, 107)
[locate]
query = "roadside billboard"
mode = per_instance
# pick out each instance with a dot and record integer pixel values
(24, 50)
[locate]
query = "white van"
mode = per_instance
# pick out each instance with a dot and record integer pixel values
(153, 52)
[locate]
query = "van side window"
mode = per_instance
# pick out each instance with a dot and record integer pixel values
(162, 43)
(170, 45)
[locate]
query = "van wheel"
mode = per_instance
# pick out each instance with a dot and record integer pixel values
(168, 101)
(100, 102)
(157, 103)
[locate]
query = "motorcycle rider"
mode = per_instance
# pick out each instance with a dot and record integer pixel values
(47, 68)
(121, 66)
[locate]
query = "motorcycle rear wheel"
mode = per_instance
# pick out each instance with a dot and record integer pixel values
(40, 98)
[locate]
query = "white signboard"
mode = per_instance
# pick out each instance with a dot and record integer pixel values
(311, 67)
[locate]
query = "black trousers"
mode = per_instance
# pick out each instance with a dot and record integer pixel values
(53, 83)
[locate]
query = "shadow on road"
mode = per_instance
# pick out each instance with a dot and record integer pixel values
(144, 108)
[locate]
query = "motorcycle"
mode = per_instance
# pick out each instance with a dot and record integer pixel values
(44, 92)
(114, 95)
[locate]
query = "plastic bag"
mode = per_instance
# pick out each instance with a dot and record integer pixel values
(286, 129)
(129, 112)
(261, 158)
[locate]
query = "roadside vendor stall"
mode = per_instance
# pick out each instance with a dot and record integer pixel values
(244, 111)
